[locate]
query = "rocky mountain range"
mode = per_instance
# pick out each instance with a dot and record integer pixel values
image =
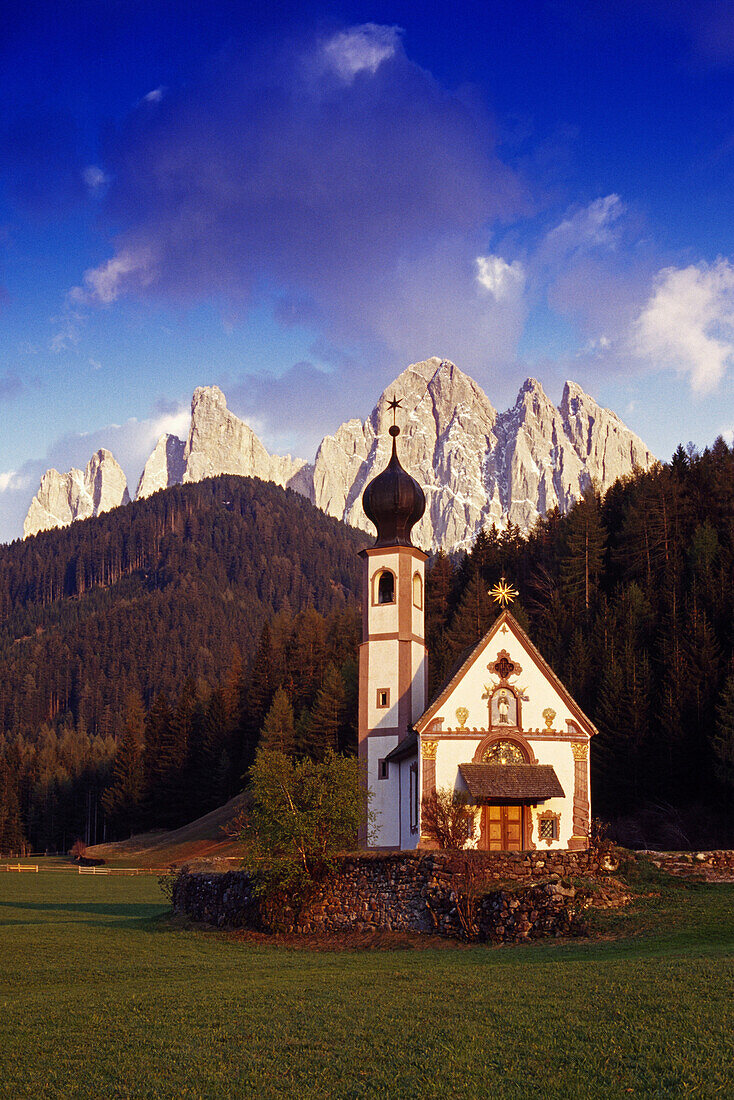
(476, 465)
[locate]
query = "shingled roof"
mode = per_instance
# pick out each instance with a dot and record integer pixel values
(511, 782)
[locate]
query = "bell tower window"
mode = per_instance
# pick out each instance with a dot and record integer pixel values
(417, 591)
(386, 587)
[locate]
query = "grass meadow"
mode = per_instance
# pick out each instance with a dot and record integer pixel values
(101, 995)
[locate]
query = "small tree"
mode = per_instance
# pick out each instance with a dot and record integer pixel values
(78, 850)
(303, 813)
(446, 817)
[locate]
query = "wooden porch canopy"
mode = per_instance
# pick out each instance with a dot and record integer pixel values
(511, 782)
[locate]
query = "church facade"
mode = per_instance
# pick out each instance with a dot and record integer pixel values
(503, 730)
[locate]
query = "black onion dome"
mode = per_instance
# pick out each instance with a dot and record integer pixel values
(394, 501)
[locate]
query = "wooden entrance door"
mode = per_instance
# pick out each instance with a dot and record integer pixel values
(503, 830)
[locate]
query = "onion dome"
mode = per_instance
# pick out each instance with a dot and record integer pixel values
(394, 501)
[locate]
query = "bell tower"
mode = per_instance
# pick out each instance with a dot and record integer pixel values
(392, 656)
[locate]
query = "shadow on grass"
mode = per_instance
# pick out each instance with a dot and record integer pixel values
(135, 912)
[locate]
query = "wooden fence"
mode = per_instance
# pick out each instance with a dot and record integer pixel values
(123, 870)
(34, 867)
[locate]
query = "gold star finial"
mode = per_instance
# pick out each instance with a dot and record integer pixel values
(503, 593)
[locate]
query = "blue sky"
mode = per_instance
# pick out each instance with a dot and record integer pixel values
(295, 205)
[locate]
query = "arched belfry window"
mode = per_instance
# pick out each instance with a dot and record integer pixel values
(417, 591)
(386, 587)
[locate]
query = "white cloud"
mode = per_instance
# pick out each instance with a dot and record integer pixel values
(12, 480)
(95, 178)
(69, 322)
(359, 49)
(155, 96)
(501, 279)
(175, 423)
(95, 364)
(132, 267)
(596, 346)
(688, 322)
(592, 226)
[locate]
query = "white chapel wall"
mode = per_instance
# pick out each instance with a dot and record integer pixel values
(385, 800)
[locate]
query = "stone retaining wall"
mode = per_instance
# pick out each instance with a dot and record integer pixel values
(717, 865)
(504, 896)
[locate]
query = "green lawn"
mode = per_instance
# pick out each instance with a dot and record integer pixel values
(101, 997)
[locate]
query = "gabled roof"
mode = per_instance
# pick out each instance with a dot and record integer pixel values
(505, 618)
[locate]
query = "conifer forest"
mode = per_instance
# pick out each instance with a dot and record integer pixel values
(146, 653)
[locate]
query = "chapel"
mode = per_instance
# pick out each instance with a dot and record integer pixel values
(503, 729)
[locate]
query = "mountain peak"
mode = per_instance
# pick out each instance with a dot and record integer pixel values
(211, 395)
(77, 494)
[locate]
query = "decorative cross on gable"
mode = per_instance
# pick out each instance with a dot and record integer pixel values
(504, 667)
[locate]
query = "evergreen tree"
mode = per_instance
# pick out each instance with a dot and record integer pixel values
(157, 757)
(12, 839)
(583, 560)
(474, 615)
(174, 796)
(123, 799)
(348, 732)
(722, 741)
(212, 788)
(257, 697)
(324, 721)
(278, 733)
(439, 586)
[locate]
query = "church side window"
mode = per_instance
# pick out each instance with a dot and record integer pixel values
(414, 802)
(383, 698)
(383, 768)
(386, 587)
(417, 591)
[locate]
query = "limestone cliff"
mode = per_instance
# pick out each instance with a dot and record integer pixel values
(220, 443)
(78, 494)
(164, 468)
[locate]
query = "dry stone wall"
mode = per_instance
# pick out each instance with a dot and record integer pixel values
(716, 865)
(498, 897)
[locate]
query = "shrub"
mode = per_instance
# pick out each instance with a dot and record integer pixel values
(446, 817)
(303, 814)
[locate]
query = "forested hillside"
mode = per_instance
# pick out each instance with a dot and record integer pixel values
(193, 625)
(101, 618)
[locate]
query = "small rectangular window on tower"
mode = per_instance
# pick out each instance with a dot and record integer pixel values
(383, 768)
(383, 698)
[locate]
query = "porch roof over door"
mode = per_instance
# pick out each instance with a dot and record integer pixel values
(511, 782)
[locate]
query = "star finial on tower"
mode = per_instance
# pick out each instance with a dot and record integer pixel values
(394, 404)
